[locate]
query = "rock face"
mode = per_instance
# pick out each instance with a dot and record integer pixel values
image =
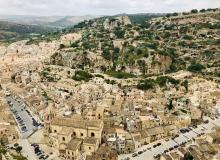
(76, 60)
(160, 64)
(68, 58)
(118, 21)
(70, 38)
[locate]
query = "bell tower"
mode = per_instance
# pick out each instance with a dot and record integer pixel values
(48, 117)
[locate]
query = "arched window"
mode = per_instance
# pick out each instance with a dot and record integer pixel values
(74, 134)
(92, 134)
(63, 138)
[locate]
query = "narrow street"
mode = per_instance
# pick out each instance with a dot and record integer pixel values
(27, 150)
(23, 118)
(183, 138)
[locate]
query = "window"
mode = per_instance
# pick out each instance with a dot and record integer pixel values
(55, 131)
(63, 138)
(81, 134)
(74, 134)
(92, 134)
(89, 148)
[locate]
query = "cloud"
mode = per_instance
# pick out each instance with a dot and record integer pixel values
(100, 7)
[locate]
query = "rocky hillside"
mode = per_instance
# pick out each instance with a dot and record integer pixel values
(189, 41)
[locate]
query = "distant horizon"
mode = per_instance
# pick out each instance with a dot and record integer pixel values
(101, 15)
(78, 15)
(51, 8)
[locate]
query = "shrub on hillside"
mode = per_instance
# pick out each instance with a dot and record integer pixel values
(195, 67)
(120, 75)
(146, 84)
(81, 75)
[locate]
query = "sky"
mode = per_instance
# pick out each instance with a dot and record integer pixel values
(100, 7)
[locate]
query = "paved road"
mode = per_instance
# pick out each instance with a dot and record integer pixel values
(186, 137)
(21, 112)
(27, 150)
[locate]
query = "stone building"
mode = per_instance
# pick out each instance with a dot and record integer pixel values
(74, 136)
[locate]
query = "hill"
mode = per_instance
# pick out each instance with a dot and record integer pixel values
(168, 44)
(51, 21)
(13, 31)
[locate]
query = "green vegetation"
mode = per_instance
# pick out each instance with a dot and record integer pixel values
(120, 75)
(194, 11)
(10, 32)
(165, 46)
(19, 157)
(112, 82)
(100, 76)
(162, 80)
(2, 150)
(170, 105)
(62, 46)
(46, 75)
(146, 84)
(195, 67)
(183, 110)
(81, 75)
(44, 94)
(143, 18)
(119, 32)
(188, 156)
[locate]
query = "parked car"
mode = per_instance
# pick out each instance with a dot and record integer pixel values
(39, 154)
(206, 121)
(171, 148)
(158, 144)
(48, 157)
(134, 155)
(156, 155)
(166, 151)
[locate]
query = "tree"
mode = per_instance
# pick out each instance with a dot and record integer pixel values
(202, 10)
(18, 149)
(194, 11)
(146, 84)
(120, 75)
(161, 81)
(168, 15)
(119, 33)
(188, 156)
(62, 46)
(106, 54)
(175, 14)
(170, 105)
(195, 67)
(81, 75)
